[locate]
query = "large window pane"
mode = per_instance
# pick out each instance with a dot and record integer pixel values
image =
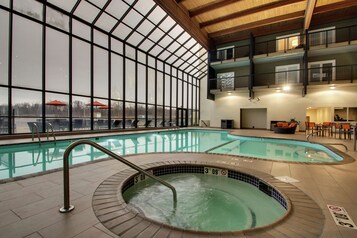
(31, 8)
(141, 116)
(179, 94)
(117, 114)
(167, 89)
(4, 46)
(141, 83)
(27, 108)
(56, 61)
(174, 91)
(57, 109)
(57, 19)
(130, 115)
(160, 89)
(4, 123)
(117, 77)
(100, 114)
(100, 72)
(129, 80)
(27, 53)
(81, 113)
(80, 29)
(81, 67)
(151, 86)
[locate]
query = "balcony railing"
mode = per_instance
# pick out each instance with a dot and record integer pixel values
(293, 43)
(316, 75)
(282, 45)
(229, 54)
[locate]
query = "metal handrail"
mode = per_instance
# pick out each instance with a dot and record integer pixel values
(67, 207)
(337, 144)
(49, 126)
(34, 126)
(312, 133)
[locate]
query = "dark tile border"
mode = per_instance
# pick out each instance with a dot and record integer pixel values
(304, 216)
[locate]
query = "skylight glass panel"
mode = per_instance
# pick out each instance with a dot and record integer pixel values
(167, 24)
(181, 51)
(164, 55)
(65, 5)
(173, 47)
(145, 27)
(122, 31)
(130, 2)
(176, 31)
(156, 35)
(106, 22)
(171, 59)
(156, 50)
(183, 38)
(178, 63)
(132, 19)
(165, 41)
(98, 3)
(190, 43)
(157, 15)
(146, 45)
(144, 6)
(117, 8)
(86, 11)
(135, 39)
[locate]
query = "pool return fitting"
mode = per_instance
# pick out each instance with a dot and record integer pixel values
(67, 207)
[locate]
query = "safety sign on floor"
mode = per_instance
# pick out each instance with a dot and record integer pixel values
(341, 216)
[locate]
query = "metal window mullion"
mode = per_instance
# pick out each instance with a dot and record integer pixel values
(70, 73)
(188, 51)
(155, 93)
(102, 10)
(91, 78)
(167, 46)
(11, 114)
(109, 83)
(170, 93)
(146, 89)
(163, 92)
(44, 69)
(136, 87)
(124, 83)
(152, 30)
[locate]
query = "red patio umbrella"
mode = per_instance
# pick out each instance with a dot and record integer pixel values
(96, 104)
(56, 103)
(104, 107)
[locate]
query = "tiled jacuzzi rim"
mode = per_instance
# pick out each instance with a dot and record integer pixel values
(113, 212)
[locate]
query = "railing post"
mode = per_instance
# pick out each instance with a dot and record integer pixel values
(354, 137)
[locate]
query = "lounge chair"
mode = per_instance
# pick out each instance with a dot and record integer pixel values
(117, 124)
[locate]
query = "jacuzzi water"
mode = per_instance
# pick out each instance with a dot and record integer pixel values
(205, 203)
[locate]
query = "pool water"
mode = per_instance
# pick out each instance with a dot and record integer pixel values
(23, 159)
(205, 203)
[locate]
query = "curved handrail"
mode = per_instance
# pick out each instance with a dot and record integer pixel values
(34, 126)
(48, 127)
(312, 133)
(67, 207)
(337, 144)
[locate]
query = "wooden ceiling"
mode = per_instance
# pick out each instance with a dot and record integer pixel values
(215, 22)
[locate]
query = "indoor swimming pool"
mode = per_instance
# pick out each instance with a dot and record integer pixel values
(23, 159)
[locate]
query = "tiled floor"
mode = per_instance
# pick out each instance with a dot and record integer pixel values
(29, 208)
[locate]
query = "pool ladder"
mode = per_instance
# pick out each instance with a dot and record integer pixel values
(67, 207)
(49, 127)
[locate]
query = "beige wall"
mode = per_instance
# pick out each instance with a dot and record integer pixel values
(280, 106)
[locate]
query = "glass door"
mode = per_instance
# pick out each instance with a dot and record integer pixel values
(182, 117)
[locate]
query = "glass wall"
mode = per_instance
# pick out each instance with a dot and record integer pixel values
(78, 73)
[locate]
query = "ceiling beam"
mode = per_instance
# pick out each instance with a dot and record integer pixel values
(249, 11)
(323, 17)
(335, 6)
(210, 6)
(181, 16)
(296, 24)
(310, 6)
(286, 17)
